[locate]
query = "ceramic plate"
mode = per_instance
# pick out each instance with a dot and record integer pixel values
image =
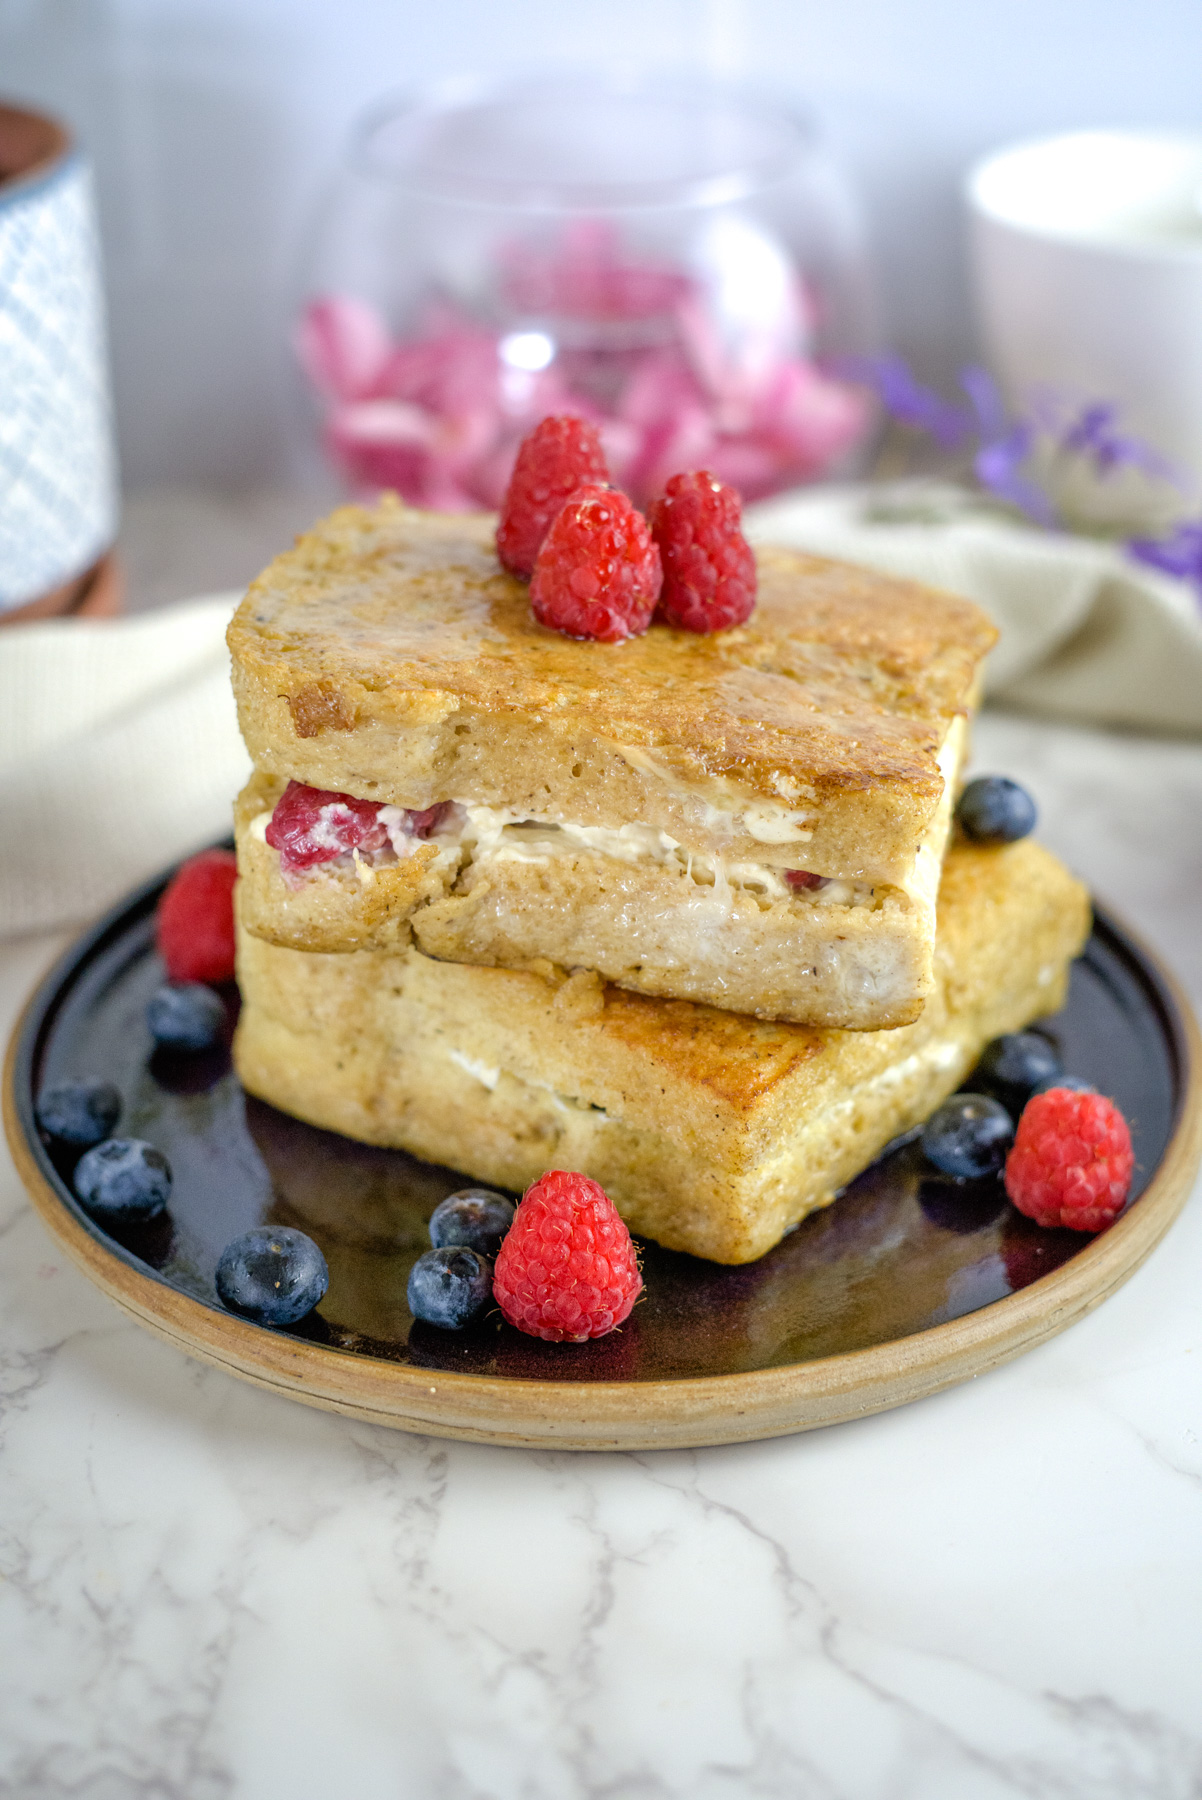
(905, 1285)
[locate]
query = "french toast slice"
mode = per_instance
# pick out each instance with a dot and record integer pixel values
(389, 656)
(713, 1133)
(678, 926)
(755, 819)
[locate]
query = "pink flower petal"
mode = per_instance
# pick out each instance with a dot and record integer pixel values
(756, 469)
(622, 444)
(439, 415)
(586, 274)
(660, 384)
(383, 423)
(703, 345)
(817, 419)
(683, 440)
(343, 345)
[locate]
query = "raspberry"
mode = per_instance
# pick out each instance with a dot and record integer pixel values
(801, 879)
(559, 456)
(421, 824)
(312, 825)
(1072, 1160)
(709, 569)
(598, 573)
(567, 1270)
(195, 925)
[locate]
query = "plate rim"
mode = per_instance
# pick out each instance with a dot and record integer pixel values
(677, 1412)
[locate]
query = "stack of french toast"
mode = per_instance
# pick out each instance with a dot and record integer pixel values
(688, 914)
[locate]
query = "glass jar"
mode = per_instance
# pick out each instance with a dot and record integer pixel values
(678, 261)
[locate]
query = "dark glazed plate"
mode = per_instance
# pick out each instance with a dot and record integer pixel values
(906, 1284)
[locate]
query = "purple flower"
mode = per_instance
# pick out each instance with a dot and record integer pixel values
(1094, 433)
(998, 468)
(1004, 448)
(907, 401)
(986, 401)
(1004, 445)
(1178, 554)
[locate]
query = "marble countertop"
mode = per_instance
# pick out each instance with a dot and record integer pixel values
(206, 1591)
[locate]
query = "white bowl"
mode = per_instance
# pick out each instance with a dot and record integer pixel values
(1087, 259)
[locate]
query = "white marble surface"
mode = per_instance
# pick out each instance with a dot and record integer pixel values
(208, 1592)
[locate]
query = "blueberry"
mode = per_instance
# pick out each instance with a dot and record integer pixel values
(79, 1112)
(450, 1287)
(123, 1179)
(1012, 1067)
(995, 810)
(475, 1217)
(187, 1016)
(968, 1136)
(962, 1207)
(273, 1275)
(1076, 1083)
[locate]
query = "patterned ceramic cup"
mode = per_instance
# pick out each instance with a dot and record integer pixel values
(58, 475)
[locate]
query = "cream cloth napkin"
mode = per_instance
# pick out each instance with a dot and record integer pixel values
(1086, 633)
(119, 751)
(119, 748)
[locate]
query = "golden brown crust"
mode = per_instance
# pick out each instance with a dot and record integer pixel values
(393, 623)
(319, 707)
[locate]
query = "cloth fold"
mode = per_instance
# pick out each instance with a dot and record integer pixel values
(1086, 632)
(119, 746)
(119, 751)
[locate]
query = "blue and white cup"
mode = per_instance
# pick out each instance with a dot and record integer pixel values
(58, 465)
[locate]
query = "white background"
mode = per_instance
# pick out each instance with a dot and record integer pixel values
(213, 122)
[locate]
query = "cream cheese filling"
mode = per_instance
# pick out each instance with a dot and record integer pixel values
(488, 1077)
(490, 834)
(725, 810)
(482, 1072)
(495, 835)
